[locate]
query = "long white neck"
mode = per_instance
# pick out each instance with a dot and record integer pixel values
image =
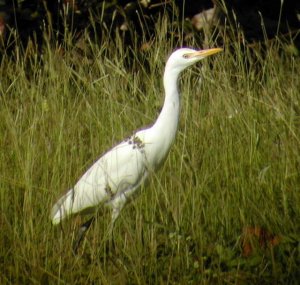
(167, 121)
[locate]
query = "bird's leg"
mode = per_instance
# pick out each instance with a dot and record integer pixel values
(114, 216)
(81, 233)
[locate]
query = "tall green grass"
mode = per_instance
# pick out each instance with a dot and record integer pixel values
(234, 166)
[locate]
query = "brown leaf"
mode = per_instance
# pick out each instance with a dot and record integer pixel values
(259, 236)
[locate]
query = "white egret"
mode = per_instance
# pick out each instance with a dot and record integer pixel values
(117, 175)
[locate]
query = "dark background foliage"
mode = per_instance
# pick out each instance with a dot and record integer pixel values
(29, 19)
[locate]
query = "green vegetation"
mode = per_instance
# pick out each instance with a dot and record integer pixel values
(224, 208)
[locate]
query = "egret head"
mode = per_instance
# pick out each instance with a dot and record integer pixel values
(184, 57)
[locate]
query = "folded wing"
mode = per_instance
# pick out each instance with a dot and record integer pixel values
(117, 171)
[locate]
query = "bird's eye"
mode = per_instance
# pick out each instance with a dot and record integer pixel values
(185, 55)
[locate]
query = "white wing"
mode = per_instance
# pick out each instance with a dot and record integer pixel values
(121, 169)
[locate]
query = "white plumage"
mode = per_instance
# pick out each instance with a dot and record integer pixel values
(119, 172)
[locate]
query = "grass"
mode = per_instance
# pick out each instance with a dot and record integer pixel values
(224, 208)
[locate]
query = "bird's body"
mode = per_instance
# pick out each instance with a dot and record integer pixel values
(120, 172)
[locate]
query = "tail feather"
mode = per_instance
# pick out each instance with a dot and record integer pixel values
(62, 208)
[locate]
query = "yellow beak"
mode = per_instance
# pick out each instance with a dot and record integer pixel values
(204, 52)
